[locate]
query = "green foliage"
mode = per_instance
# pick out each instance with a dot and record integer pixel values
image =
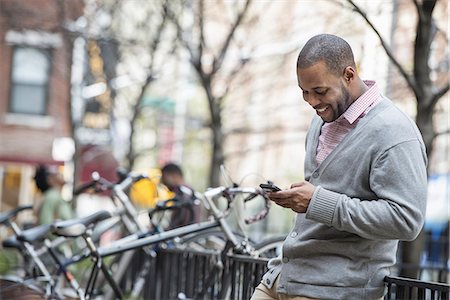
(8, 259)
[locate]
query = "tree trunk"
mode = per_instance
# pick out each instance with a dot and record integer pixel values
(411, 251)
(217, 157)
(424, 120)
(131, 153)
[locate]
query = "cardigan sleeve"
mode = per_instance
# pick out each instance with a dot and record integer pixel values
(399, 179)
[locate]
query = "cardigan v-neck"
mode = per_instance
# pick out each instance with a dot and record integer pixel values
(317, 125)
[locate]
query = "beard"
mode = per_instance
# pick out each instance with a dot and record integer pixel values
(344, 104)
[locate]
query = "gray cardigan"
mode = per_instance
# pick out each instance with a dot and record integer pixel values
(371, 192)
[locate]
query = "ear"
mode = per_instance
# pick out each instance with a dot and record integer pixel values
(349, 74)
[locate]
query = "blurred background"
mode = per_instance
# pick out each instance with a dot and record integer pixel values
(98, 84)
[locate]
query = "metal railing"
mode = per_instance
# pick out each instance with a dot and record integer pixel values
(246, 273)
(404, 288)
(178, 274)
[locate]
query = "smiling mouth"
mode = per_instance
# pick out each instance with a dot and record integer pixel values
(321, 110)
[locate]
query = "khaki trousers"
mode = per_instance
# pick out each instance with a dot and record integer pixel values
(263, 293)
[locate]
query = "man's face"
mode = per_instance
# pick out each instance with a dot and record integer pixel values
(325, 92)
(169, 180)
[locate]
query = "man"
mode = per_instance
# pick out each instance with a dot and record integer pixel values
(365, 188)
(172, 177)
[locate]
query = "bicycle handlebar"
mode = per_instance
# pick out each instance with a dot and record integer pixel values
(101, 184)
(169, 205)
(230, 193)
(261, 214)
(4, 217)
(119, 196)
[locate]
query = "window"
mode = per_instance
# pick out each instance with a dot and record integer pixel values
(29, 81)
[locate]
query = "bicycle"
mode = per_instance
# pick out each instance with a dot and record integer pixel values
(125, 210)
(34, 268)
(98, 254)
(28, 242)
(100, 184)
(122, 201)
(42, 281)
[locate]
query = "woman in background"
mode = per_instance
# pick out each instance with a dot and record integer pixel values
(53, 207)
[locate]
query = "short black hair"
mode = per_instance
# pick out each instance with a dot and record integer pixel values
(41, 178)
(333, 50)
(172, 168)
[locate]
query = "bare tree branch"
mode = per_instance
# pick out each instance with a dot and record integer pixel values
(201, 42)
(206, 75)
(157, 39)
(439, 94)
(131, 156)
(411, 82)
(219, 59)
(442, 133)
(426, 31)
(172, 16)
(417, 5)
(230, 77)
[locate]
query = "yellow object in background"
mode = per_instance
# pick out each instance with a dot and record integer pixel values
(147, 192)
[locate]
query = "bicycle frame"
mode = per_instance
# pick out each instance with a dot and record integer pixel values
(133, 242)
(128, 216)
(30, 250)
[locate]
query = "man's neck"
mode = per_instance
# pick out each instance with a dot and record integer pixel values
(360, 89)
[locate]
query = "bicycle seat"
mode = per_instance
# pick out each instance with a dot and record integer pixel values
(77, 227)
(4, 217)
(34, 234)
(12, 242)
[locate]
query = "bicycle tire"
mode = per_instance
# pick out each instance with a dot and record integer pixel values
(270, 247)
(11, 288)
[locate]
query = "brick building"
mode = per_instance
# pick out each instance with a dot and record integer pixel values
(35, 68)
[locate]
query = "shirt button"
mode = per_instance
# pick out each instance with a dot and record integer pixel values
(315, 174)
(268, 281)
(285, 259)
(293, 234)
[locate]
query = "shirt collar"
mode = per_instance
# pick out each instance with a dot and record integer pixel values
(360, 105)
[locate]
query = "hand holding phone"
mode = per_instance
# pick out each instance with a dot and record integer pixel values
(269, 187)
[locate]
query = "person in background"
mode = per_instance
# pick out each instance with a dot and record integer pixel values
(53, 207)
(365, 185)
(172, 177)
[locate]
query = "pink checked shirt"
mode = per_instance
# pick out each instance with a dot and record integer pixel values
(334, 132)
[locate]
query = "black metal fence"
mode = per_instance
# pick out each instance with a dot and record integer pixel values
(435, 259)
(246, 273)
(403, 288)
(178, 274)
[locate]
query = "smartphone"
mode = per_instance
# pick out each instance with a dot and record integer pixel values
(269, 187)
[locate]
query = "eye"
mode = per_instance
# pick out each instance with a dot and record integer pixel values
(321, 92)
(305, 94)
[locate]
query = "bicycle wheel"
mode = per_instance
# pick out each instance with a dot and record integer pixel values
(17, 290)
(270, 247)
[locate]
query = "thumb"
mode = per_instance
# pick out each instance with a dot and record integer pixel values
(298, 184)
